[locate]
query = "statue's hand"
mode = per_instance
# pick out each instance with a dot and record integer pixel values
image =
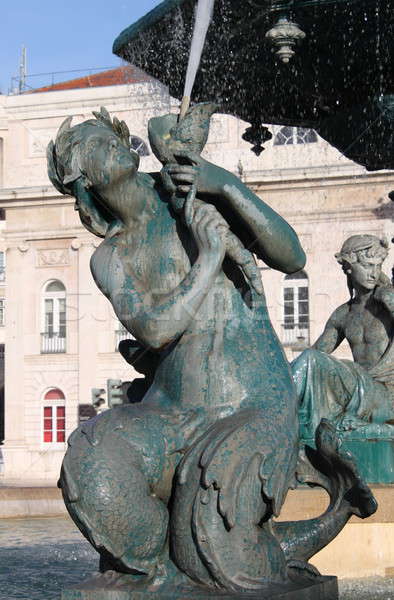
(209, 231)
(191, 169)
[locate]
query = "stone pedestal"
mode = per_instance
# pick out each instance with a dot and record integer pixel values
(373, 448)
(323, 588)
(375, 458)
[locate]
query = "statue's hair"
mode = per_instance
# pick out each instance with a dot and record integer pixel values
(64, 156)
(359, 247)
(65, 170)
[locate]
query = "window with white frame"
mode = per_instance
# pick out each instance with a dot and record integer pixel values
(296, 308)
(54, 417)
(2, 313)
(2, 267)
(294, 135)
(53, 334)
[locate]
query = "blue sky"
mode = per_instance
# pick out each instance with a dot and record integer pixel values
(63, 35)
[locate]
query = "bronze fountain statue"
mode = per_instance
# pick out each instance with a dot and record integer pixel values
(179, 492)
(355, 396)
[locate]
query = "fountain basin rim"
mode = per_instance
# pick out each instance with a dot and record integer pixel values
(144, 23)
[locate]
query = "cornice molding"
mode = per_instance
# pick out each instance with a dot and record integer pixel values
(39, 194)
(354, 213)
(309, 179)
(78, 234)
(301, 178)
(32, 106)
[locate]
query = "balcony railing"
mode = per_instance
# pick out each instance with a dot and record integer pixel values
(52, 343)
(295, 334)
(120, 335)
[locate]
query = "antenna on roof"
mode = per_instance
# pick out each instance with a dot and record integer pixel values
(22, 71)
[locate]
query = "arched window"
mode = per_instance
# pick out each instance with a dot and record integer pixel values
(139, 146)
(54, 417)
(305, 136)
(53, 336)
(296, 308)
(295, 135)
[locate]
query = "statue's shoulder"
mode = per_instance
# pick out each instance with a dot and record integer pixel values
(106, 266)
(340, 314)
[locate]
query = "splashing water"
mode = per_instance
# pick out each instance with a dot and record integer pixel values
(203, 18)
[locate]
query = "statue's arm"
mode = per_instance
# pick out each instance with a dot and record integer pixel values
(333, 334)
(273, 239)
(269, 236)
(385, 295)
(155, 320)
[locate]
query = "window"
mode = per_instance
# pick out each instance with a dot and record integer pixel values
(121, 333)
(54, 417)
(53, 337)
(295, 135)
(2, 316)
(139, 146)
(296, 309)
(2, 266)
(1, 163)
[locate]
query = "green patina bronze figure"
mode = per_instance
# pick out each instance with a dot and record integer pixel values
(357, 397)
(179, 491)
(353, 394)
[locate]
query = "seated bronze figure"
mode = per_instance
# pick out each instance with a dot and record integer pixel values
(353, 395)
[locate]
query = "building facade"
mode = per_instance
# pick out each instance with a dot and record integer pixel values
(59, 331)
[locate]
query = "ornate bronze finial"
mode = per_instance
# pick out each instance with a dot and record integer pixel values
(284, 35)
(257, 134)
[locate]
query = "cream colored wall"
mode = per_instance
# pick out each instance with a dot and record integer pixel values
(31, 120)
(324, 213)
(41, 249)
(323, 195)
(3, 284)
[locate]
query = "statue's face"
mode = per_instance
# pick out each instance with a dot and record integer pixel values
(105, 160)
(365, 273)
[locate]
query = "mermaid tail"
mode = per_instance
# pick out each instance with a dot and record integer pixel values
(336, 471)
(227, 487)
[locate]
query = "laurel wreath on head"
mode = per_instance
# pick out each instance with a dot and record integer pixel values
(118, 127)
(62, 177)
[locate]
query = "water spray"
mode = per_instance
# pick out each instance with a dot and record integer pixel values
(203, 18)
(234, 247)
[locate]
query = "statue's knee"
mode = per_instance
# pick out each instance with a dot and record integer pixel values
(305, 359)
(110, 499)
(108, 477)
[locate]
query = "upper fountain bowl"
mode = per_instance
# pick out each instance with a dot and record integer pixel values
(338, 81)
